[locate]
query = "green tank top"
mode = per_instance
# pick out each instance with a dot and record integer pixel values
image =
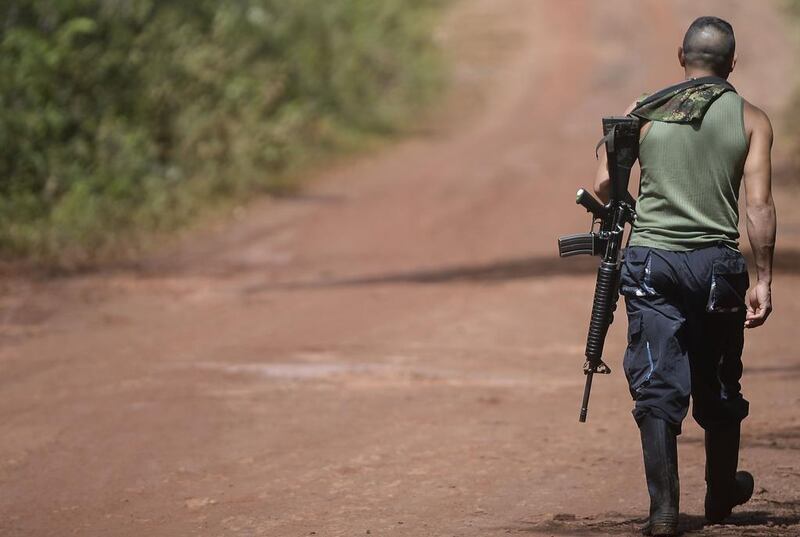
(689, 193)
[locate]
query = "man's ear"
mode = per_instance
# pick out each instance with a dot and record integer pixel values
(733, 62)
(681, 57)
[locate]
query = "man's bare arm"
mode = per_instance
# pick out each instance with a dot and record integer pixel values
(761, 221)
(602, 183)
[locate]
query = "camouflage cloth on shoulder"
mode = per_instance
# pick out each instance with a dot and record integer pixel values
(683, 103)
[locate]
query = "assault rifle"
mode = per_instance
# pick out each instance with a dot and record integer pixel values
(621, 138)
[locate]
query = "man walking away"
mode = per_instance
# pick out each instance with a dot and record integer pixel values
(684, 281)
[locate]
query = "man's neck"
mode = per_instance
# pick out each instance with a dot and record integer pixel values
(700, 73)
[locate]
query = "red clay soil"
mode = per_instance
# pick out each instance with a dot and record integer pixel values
(396, 350)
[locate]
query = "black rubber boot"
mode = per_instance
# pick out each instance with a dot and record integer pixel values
(725, 487)
(660, 448)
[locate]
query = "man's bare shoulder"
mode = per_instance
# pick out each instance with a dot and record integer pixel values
(644, 125)
(756, 120)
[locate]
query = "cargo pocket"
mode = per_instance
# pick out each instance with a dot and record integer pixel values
(638, 362)
(729, 283)
(635, 278)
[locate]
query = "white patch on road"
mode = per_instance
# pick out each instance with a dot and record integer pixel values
(366, 375)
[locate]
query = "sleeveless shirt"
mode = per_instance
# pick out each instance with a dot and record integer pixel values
(691, 173)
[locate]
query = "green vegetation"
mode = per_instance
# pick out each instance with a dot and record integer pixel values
(120, 119)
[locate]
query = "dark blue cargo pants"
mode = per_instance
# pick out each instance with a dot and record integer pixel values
(685, 333)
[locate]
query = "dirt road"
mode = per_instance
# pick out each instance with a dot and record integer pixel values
(396, 351)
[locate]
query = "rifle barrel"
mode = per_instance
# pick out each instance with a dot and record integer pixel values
(587, 390)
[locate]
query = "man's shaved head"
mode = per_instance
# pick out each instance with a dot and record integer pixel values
(709, 44)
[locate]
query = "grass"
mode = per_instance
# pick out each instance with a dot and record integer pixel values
(121, 121)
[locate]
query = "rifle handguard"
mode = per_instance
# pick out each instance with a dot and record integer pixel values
(603, 306)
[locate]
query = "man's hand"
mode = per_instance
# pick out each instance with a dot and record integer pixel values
(759, 304)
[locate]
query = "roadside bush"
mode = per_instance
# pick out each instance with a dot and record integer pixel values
(120, 118)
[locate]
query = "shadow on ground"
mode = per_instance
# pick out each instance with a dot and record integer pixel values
(747, 524)
(787, 262)
(499, 271)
